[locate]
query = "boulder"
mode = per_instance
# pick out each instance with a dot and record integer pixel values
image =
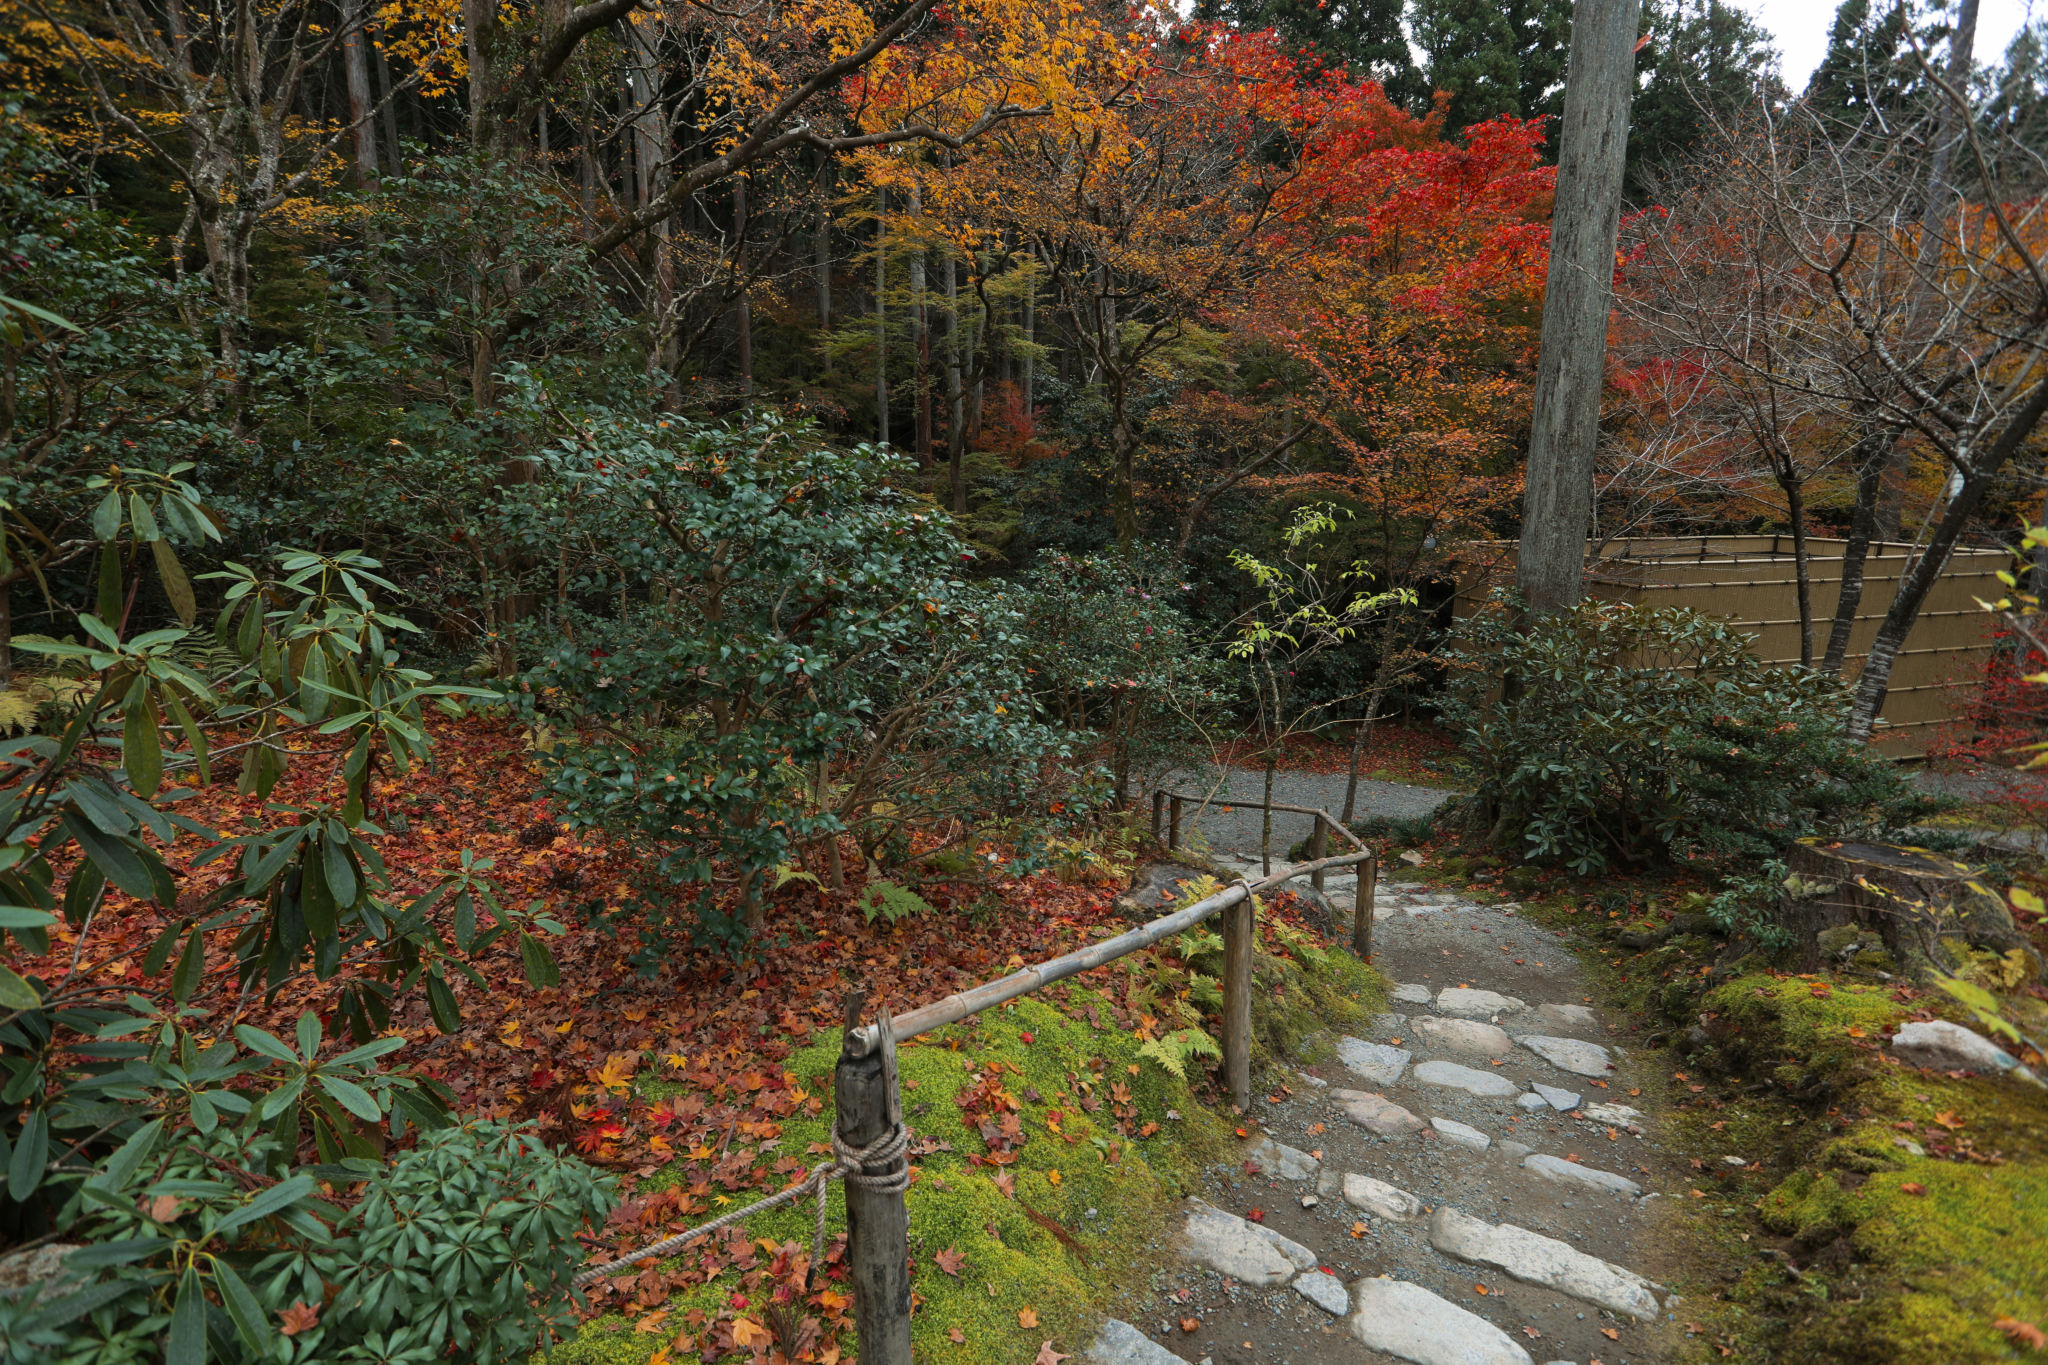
(1154, 888)
(1939, 1045)
(1908, 896)
(1243, 1250)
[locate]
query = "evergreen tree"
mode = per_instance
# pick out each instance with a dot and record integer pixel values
(1869, 68)
(1361, 37)
(2015, 107)
(1496, 59)
(1705, 61)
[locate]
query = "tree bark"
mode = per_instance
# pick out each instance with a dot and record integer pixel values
(956, 423)
(921, 321)
(743, 317)
(1557, 502)
(821, 243)
(1870, 464)
(881, 317)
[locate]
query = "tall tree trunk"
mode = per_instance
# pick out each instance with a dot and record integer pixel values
(1870, 466)
(1557, 503)
(1266, 828)
(743, 318)
(381, 69)
(821, 243)
(1795, 503)
(1030, 330)
(362, 122)
(956, 425)
(881, 317)
(921, 322)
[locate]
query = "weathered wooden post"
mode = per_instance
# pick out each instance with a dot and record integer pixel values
(867, 1107)
(1238, 921)
(1318, 849)
(1173, 830)
(1361, 909)
(1158, 813)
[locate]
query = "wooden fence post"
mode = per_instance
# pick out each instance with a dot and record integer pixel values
(1318, 849)
(1173, 830)
(1238, 921)
(1158, 813)
(1361, 911)
(867, 1106)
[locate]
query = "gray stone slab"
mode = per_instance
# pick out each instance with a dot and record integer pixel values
(1389, 1023)
(1462, 1002)
(1619, 1114)
(1462, 1035)
(1412, 994)
(1407, 1321)
(1119, 1343)
(1513, 1151)
(1561, 1100)
(1377, 1113)
(1243, 1250)
(1571, 1173)
(1374, 1062)
(1535, 1259)
(1531, 1101)
(1569, 1054)
(1940, 1045)
(1378, 1197)
(1325, 1291)
(1278, 1159)
(1559, 1019)
(1460, 1134)
(1451, 1076)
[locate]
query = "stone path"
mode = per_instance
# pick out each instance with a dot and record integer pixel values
(1468, 1185)
(1239, 828)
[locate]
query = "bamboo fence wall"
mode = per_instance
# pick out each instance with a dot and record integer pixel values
(1751, 580)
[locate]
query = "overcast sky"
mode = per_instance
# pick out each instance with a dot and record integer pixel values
(1801, 28)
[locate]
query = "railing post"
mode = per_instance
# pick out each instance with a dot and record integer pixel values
(1238, 921)
(1318, 849)
(1158, 813)
(1361, 913)
(867, 1106)
(1173, 830)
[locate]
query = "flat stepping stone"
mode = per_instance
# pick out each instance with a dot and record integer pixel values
(1377, 1113)
(1940, 1045)
(1571, 1173)
(1531, 1102)
(1325, 1291)
(1277, 1158)
(1230, 1245)
(1413, 995)
(1389, 1023)
(1514, 1151)
(1374, 1062)
(1569, 1054)
(1536, 1259)
(1380, 1198)
(1558, 1018)
(1119, 1343)
(1564, 1101)
(1463, 1035)
(1619, 1114)
(1451, 1076)
(1462, 1002)
(1460, 1134)
(1407, 1321)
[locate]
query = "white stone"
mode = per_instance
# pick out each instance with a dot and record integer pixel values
(1734, 1161)
(1378, 1197)
(1231, 1246)
(1413, 995)
(1563, 1018)
(1408, 1321)
(1377, 1113)
(1314, 1082)
(1571, 1173)
(1374, 1062)
(1619, 1114)
(1389, 1023)
(1278, 1159)
(1119, 1343)
(1462, 1035)
(1466, 1003)
(1939, 1045)
(1531, 1101)
(1513, 1151)
(1325, 1291)
(1460, 1134)
(1451, 1076)
(1569, 1054)
(1536, 1259)
(1560, 1100)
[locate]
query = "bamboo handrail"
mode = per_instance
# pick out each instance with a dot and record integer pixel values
(959, 1005)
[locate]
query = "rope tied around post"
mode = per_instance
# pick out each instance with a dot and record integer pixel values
(866, 1166)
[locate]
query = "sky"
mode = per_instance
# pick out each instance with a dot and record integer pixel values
(1801, 28)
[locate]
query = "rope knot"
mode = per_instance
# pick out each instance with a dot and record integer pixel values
(868, 1166)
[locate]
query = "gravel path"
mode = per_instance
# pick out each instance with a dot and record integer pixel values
(1453, 1189)
(1239, 829)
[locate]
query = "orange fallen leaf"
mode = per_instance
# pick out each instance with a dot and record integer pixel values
(1531, 1331)
(1027, 1317)
(1480, 1289)
(950, 1260)
(1189, 1325)
(163, 1208)
(1257, 1215)
(651, 1324)
(1610, 1334)
(956, 1336)
(745, 1332)
(1856, 1031)
(1913, 1187)
(1949, 1119)
(300, 1317)
(1048, 1356)
(1358, 1229)
(2022, 1333)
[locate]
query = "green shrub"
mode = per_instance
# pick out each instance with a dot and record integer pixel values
(1635, 734)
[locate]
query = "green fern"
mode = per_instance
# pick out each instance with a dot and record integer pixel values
(889, 901)
(1173, 1050)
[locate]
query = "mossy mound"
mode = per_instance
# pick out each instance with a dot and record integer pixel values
(1114, 1194)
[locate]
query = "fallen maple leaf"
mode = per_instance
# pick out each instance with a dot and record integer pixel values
(1610, 1334)
(1531, 1331)
(1257, 1215)
(1189, 1325)
(1027, 1317)
(745, 1332)
(1948, 1119)
(1480, 1289)
(1856, 1031)
(300, 1317)
(950, 1260)
(2022, 1333)
(651, 1324)
(956, 1336)
(1053, 1176)
(1048, 1356)
(163, 1208)
(1913, 1187)
(1358, 1229)
(1006, 1184)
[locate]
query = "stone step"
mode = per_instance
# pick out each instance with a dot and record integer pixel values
(1407, 1321)
(1119, 1343)
(1278, 1159)
(1373, 1062)
(1461, 1035)
(1462, 1002)
(1572, 1173)
(1536, 1259)
(1451, 1076)
(1377, 1113)
(1569, 1054)
(1243, 1250)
